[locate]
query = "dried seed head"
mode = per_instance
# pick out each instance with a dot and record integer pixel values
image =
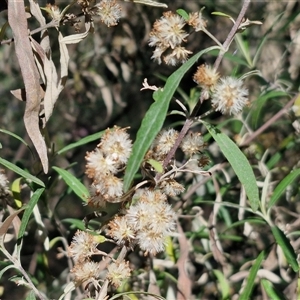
(196, 21)
(109, 12)
(118, 272)
(178, 55)
(121, 231)
(171, 187)
(83, 246)
(86, 273)
(168, 33)
(203, 161)
(153, 220)
(192, 143)
(206, 77)
(163, 143)
(229, 96)
(4, 190)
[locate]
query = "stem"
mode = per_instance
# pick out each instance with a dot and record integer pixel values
(269, 122)
(232, 33)
(212, 37)
(20, 268)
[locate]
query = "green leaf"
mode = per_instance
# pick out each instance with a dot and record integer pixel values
(75, 223)
(257, 221)
(170, 252)
(286, 247)
(183, 13)
(218, 13)
(263, 40)
(31, 296)
(156, 165)
(271, 291)
(21, 172)
(155, 117)
(16, 190)
(246, 294)
(281, 187)
(15, 136)
(259, 104)
(85, 140)
(75, 185)
(224, 285)
(244, 49)
(239, 163)
(27, 213)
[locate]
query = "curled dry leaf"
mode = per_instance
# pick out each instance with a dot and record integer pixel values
(54, 83)
(76, 38)
(6, 224)
(20, 94)
(18, 23)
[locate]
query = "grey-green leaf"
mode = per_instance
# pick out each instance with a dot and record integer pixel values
(281, 187)
(238, 162)
(83, 141)
(75, 185)
(246, 294)
(286, 247)
(21, 172)
(271, 291)
(27, 213)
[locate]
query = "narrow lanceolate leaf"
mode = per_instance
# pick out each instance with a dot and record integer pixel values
(75, 185)
(150, 2)
(286, 247)
(155, 117)
(15, 136)
(271, 291)
(281, 187)
(246, 294)
(21, 172)
(83, 141)
(18, 23)
(27, 213)
(239, 163)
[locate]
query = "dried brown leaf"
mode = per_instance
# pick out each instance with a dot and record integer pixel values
(78, 37)
(6, 224)
(153, 286)
(54, 83)
(20, 94)
(18, 23)
(36, 12)
(184, 285)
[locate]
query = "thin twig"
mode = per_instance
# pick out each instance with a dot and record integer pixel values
(51, 24)
(269, 122)
(232, 33)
